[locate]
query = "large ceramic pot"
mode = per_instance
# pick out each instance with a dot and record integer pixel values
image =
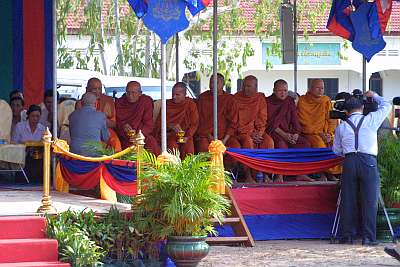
(382, 228)
(187, 251)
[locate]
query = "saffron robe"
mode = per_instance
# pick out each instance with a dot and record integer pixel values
(185, 114)
(282, 114)
(227, 119)
(139, 116)
(252, 119)
(106, 105)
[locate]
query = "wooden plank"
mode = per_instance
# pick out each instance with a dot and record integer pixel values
(227, 220)
(227, 239)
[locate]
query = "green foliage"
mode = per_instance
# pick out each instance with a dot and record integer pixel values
(176, 198)
(389, 167)
(86, 239)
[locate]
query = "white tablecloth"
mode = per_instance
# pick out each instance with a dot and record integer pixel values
(13, 153)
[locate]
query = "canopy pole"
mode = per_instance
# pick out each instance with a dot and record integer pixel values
(295, 44)
(215, 69)
(364, 74)
(163, 101)
(177, 57)
(55, 100)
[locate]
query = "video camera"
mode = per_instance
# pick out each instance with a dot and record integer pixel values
(342, 99)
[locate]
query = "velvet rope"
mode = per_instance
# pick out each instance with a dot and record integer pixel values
(287, 161)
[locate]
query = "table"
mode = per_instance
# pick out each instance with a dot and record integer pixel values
(13, 154)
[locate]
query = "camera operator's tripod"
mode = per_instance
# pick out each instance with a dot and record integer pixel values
(336, 221)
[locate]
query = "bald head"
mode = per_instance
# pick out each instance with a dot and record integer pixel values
(250, 84)
(89, 99)
(94, 86)
(133, 91)
(317, 87)
(179, 92)
(220, 82)
(281, 89)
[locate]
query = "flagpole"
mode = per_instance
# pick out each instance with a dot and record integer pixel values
(177, 57)
(364, 74)
(55, 100)
(163, 101)
(215, 69)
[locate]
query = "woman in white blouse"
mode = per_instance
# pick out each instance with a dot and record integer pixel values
(31, 129)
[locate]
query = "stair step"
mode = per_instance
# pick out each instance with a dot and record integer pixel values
(15, 227)
(28, 250)
(227, 239)
(227, 220)
(36, 264)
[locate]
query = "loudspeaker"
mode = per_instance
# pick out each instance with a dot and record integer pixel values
(287, 34)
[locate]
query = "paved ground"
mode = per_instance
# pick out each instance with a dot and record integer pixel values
(299, 253)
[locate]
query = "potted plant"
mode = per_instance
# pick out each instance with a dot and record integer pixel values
(177, 204)
(388, 161)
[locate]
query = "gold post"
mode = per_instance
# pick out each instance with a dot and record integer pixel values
(139, 147)
(46, 200)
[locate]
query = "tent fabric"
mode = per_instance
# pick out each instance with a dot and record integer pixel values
(26, 49)
(119, 175)
(287, 161)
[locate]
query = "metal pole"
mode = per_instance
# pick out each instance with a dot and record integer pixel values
(364, 74)
(215, 69)
(295, 44)
(177, 57)
(55, 100)
(163, 101)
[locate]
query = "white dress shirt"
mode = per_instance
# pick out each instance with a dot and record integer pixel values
(344, 141)
(23, 133)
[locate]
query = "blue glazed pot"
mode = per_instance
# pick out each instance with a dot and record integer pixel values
(187, 251)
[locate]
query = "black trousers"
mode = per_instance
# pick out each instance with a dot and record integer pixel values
(360, 175)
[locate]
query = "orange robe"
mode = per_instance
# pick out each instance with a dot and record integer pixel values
(252, 119)
(106, 105)
(185, 114)
(227, 120)
(313, 113)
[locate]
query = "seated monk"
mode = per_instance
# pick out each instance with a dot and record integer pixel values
(282, 124)
(227, 117)
(252, 118)
(182, 117)
(135, 112)
(106, 105)
(313, 111)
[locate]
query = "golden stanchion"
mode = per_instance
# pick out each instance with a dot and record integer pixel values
(139, 148)
(46, 199)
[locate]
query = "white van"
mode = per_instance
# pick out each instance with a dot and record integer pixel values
(71, 83)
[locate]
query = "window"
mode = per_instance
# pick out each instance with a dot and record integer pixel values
(331, 86)
(375, 83)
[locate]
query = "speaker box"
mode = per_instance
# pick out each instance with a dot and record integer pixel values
(287, 34)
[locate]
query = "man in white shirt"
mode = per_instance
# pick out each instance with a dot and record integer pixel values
(356, 140)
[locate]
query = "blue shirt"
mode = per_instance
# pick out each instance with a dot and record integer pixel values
(23, 133)
(344, 141)
(87, 125)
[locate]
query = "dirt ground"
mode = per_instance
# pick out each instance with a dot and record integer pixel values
(294, 253)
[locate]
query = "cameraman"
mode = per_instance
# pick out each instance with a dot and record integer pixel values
(356, 140)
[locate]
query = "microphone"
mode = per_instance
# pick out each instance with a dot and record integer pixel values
(396, 101)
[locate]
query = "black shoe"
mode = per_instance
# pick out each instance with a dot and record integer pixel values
(370, 243)
(346, 240)
(392, 252)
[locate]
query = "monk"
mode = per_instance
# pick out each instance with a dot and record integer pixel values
(227, 116)
(182, 117)
(135, 112)
(252, 122)
(106, 105)
(283, 124)
(313, 110)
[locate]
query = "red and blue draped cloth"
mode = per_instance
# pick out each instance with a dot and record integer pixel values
(287, 161)
(119, 175)
(166, 17)
(26, 48)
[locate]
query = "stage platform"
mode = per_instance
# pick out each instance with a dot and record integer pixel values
(24, 200)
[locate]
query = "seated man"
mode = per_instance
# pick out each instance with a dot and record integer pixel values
(182, 116)
(135, 112)
(106, 105)
(282, 124)
(87, 125)
(227, 117)
(252, 118)
(313, 111)
(5, 120)
(46, 119)
(18, 111)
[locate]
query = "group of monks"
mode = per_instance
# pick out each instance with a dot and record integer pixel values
(247, 119)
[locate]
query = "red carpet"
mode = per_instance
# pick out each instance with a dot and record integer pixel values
(23, 243)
